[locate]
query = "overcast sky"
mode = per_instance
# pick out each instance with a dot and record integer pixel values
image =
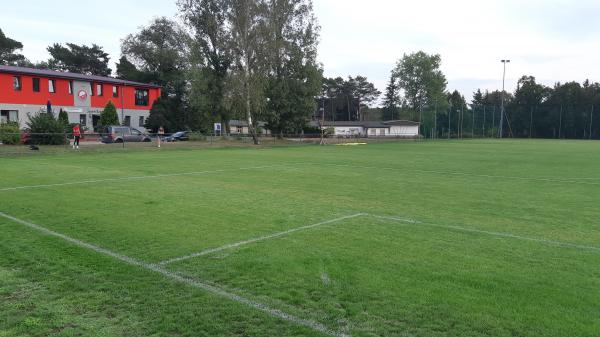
(553, 40)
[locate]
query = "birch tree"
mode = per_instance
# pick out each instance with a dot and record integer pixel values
(210, 53)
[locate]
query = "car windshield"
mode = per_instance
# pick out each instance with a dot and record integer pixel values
(178, 134)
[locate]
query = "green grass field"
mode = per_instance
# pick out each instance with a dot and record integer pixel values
(474, 238)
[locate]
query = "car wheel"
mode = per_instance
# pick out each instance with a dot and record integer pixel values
(147, 140)
(118, 140)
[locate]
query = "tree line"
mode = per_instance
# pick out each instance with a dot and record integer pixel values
(245, 59)
(256, 60)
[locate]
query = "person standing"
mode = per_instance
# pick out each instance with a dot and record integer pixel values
(161, 133)
(76, 136)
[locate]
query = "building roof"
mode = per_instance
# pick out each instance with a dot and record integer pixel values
(240, 123)
(368, 124)
(71, 76)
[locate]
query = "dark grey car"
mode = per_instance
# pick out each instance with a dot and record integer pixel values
(120, 134)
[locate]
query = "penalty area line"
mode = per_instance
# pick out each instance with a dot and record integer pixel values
(258, 239)
(275, 313)
(497, 234)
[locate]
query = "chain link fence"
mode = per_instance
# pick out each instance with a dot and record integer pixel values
(545, 121)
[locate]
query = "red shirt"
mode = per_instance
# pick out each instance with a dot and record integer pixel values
(76, 131)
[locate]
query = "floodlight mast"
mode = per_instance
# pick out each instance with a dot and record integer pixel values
(504, 62)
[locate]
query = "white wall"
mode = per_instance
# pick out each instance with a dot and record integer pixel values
(404, 131)
(349, 130)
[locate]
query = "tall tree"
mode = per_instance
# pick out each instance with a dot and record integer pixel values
(365, 92)
(527, 98)
(294, 77)
(79, 59)
(458, 112)
(392, 99)
(210, 55)
(248, 40)
(8, 50)
(421, 79)
(158, 54)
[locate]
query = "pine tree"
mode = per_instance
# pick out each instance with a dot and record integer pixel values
(392, 101)
(109, 115)
(63, 118)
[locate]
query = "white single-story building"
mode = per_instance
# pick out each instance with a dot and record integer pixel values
(397, 128)
(239, 127)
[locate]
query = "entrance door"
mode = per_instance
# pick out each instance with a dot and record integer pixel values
(95, 122)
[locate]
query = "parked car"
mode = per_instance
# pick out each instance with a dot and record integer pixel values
(120, 134)
(180, 136)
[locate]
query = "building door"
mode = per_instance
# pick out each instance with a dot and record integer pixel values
(95, 121)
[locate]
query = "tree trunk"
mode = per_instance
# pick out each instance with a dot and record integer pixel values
(248, 105)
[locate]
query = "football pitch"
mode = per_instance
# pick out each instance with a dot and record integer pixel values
(473, 238)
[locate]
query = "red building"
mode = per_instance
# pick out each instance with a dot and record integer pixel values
(25, 91)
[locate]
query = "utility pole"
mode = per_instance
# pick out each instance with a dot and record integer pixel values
(591, 121)
(483, 131)
(421, 117)
(473, 125)
(323, 120)
(493, 120)
(504, 62)
(462, 119)
(531, 122)
(435, 122)
(560, 122)
(449, 112)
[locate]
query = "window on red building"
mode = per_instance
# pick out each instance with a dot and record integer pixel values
(115, 91)
(36, 85)
(17, 83)
(51, 86)
(99, 90)
(70, 87)
(141, 97)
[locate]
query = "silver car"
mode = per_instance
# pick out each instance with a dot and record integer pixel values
(120, 134)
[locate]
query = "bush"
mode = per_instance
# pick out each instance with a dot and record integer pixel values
(63, 118)
(196, 137)
(46, 130)
(109, 115)
(10, 133)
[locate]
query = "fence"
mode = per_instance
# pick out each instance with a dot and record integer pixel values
(56, 143)
(520, 121)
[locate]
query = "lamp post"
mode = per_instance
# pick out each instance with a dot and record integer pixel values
(504, 62)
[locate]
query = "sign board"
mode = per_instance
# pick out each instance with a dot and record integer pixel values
(82, 95)
(73, 110)
(218, 128)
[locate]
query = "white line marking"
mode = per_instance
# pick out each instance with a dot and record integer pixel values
(261, 238)
(499, 234)
(184, 279)
(552, 180)
(393, 218)
(137, 178)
